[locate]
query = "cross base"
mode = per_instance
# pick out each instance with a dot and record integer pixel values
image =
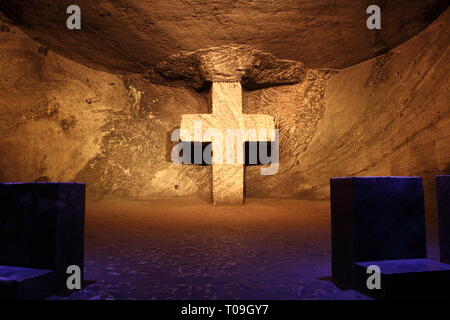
(228, 183)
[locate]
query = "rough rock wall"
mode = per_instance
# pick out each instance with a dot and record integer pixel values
(61, 121)
(51, 109)
(135, 152)
(386, 116)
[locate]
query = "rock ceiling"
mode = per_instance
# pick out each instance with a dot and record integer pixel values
(136, 35)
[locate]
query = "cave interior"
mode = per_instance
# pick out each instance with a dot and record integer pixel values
(100, 105)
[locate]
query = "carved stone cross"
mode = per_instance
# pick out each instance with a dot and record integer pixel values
(223, 127)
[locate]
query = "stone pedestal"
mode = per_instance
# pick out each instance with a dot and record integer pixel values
(26, 283)
(406, 279)
(380, 221)
(42, 226)
(373, 219)
(443, 199)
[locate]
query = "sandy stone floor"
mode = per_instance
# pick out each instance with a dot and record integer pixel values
(189, 249)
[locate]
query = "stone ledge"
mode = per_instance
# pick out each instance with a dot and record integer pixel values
(406, 279)
(254, 68)
(26, 283)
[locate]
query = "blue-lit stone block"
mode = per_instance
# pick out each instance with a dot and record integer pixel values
(42, 226)
(375, 218)
(443, 199)
(406, 279)
(25, 283)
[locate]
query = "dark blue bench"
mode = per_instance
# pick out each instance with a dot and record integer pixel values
(381, 221)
